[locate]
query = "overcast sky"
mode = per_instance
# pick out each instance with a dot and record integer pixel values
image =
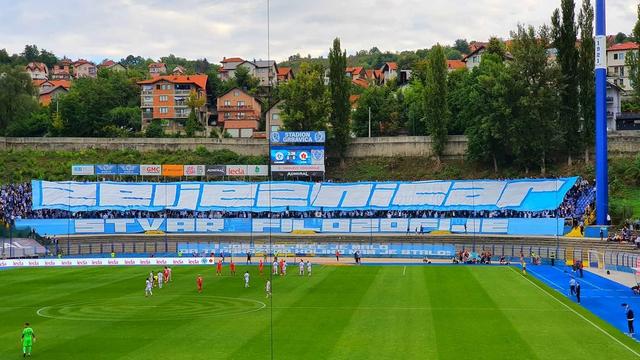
(216, 28)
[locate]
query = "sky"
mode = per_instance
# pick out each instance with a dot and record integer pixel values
(214, 29)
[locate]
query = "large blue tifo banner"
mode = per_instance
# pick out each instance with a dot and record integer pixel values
(511, 226)
(319, 249)
(520, 195)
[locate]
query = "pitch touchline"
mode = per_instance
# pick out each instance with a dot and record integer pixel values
(577, 313)
(408, 308)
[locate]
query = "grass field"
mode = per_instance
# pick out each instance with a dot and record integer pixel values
(348, 312)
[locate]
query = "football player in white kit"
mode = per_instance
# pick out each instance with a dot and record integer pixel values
(275, 267)
(148, 290)
(160, 279)
(309, 267)
(267, 288)
(246, 279)
(284, 267)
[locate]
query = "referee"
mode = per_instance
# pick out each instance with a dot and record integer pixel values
(629, 314)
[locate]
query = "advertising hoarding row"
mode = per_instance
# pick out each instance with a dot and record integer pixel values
(169, 170)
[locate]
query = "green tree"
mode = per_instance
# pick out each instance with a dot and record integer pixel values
(496, 46)
(31, 53)
(461, 45)
(457, 96)
(532, 132)
(414, 103)
(633, 62)
(436, 107)
(48, 58)
(244, 80)
(586, 76)
(620, 37)
(490, 111)
(17, 97)
(564, 39)
(154, 130)
(306, 104)
(339, 90)
(385, 108)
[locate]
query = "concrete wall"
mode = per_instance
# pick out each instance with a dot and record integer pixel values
(622, 143)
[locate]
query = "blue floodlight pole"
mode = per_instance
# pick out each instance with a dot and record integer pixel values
(602, 179)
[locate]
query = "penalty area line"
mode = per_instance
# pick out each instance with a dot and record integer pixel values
(577, 313)
(404, 270)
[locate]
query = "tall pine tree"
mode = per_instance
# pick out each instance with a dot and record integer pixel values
(565, 36)
(436, 108)
(339, 86)
(586, 76)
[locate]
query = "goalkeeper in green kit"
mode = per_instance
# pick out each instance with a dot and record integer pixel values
(28, 338)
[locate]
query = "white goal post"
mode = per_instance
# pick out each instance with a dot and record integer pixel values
(595, 260)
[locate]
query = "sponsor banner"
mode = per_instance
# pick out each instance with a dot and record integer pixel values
(288, 168)
(519, 195)
(297, 174)
(321, 249)
(194, 170)
(297, 155)
(174, 261)
(237, 170)
(258, 170)
(128, 169)
(151, 170)
(82, 170)
(106, 169)
(507, 226)
(172, 170)
(289, 137)
(215, 170)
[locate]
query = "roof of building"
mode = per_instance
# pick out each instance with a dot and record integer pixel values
(198, 80)
(81, 62)
(157, 65)
(361, 82)
(473, 52)
(353, 99)
(240, 124)
(264, 63)
(392, 65)
(239, 89)
(64, 83)
(623, 46)
(231, 59)
(284, 71)
(455, 64)
(108, 63)
(36, 66)
(356, 70)
(49, 90)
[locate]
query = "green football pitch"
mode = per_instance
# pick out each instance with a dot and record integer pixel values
(341, 312)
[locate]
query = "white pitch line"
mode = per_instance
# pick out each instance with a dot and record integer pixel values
(580, 315)
(404, 270)
(583, 280)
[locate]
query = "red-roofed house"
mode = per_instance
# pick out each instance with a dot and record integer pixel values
(356, 72)
(389, 71)
(37, 71)
(453, 65)
(61, 70)
(265, 70)
(84, 68)
(157, 69)
(179, 70)
(617, 71)
(363, 83)
(164, 98)
(50, 89)
(112, 65)
(239, 113)
(284, 74)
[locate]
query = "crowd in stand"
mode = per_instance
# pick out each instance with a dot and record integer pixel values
(15, 203)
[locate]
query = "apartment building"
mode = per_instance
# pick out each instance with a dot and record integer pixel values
(84, 68)
(617, 70)
(164, 98)
(239, 113)
(265, 70)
